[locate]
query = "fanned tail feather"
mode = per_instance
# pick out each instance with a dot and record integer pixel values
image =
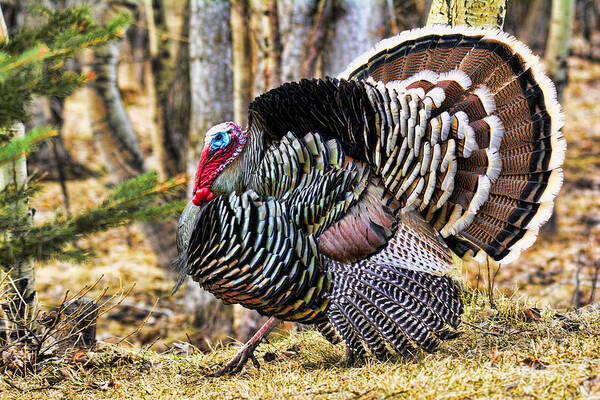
(494, 143)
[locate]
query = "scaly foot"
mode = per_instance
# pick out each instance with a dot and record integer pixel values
(247, 351)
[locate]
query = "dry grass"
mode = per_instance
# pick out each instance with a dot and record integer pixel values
(503, 353)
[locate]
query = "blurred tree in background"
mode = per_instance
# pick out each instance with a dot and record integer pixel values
(32, 64)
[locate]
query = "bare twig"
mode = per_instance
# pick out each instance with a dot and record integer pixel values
(48, 335)
(480, 329)
(139, 327)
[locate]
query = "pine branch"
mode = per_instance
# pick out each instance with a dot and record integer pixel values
(32, 62)
(131, 201)
(18, 148)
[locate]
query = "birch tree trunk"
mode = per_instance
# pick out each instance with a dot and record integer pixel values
(20, 300)
(557, 51)
(557, 45)
(211, 84)
(242, 60)
(488, 14)
(356, 27)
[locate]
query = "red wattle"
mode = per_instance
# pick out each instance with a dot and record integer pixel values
(202, 195)
(203, 157)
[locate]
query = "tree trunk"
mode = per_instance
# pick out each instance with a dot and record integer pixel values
(274, 24)
(295, 26)
(152, 73)
(557, 45)
(119, 147)
(242, 96)
(487, 14)
(168, 81)
(211, 83)
(242, 60)
(113, 132)
(557, 51)
(134, 53)
(317, 39)
(272, 73)
(267, 45)
(357, 26)
(528, 20)
(172, 75)
(20, 298)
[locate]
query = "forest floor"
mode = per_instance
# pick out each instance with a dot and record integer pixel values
(510, 351)
(503, 352)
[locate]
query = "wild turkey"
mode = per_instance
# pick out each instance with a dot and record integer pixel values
(342, 201)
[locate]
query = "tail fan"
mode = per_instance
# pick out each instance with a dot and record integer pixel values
(388, 310)
(491, 167)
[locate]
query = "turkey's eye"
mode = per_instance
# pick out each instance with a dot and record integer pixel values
(220, 140)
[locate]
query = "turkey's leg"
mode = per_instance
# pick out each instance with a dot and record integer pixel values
(247, 351)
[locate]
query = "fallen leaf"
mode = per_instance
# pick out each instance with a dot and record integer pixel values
(80, 356)
(67, 373)
(495, 355)
(532, 314)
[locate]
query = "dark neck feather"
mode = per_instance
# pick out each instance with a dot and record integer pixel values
(251, 157)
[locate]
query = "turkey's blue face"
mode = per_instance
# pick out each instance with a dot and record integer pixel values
(223, 143)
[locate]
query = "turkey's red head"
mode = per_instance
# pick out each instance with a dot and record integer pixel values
(223, 143)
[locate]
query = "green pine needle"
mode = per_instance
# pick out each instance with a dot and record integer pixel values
(18, 148)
